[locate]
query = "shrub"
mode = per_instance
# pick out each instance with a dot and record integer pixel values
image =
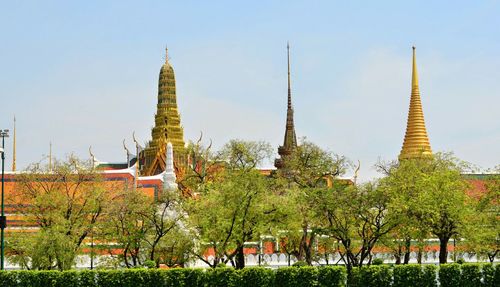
(88, 278)
(173, 278)
(460, 261)
(373, 276)
(354, 278)
(407, 275)
(28, 278)
(488, 275)
(377, 261)
(8, 278)
(497, 273)
(332, 276)
(227, 277)
(471, 275)
(154, 277)
(132, 277)
(149, 264)
(300, 264)
(449, 275)
(68, 279)
(307, 277)
(109, 278)
(254, 277)
(429, 276)
(195, 278)
(285, 277)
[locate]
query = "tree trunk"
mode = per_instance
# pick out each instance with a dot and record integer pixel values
(443, 250)
(240, 257)
(397, 255)
(407, 250)
(419, 255)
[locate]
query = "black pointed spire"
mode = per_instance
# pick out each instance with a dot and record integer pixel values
(290, 140)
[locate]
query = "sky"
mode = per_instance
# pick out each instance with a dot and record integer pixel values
(85, 73)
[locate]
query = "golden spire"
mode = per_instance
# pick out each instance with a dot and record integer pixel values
(416, 143)
(50, 156)
(166, 54)
(14, 147)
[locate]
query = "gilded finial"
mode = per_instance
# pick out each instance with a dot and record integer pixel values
(414, 78)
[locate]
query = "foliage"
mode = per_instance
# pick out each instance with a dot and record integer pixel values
(483, 233)
(287, 276)
(235, 208)
(407, 275)
(429, 276)
(300, 264)
(356, 216)
(471, 275)
(379, 275)
(429, 194)
(449, 275)
(310, 166)
(65, 201)
(251, 277)
(377, 261)
(308, 170)
(222, 277)
(147, 229)
(331, 276)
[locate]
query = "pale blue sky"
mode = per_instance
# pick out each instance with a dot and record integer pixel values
(81, 73)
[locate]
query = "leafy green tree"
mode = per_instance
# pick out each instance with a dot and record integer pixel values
(483, 233)
(64, 202)
(357, 217)
(310, 166)
(147, 228)
(232, 209)
(308, 170)
(127, 226)
(431, 193)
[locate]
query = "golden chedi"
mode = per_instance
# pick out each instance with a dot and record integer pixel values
(416, 143)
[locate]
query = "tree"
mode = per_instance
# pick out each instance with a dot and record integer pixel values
(232, 209)
(358, 217)
(230, 213)
(127, 226)
(310, 166)
(64, 202)
(400, 182)
(164, 217)
(483, 233)
(308, 170)
(146, 228)
(432, 193)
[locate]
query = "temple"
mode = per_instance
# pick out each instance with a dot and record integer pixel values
(167, 126)
(290, 141)
(416, 143)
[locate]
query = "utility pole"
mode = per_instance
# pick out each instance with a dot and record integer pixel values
(3, 220)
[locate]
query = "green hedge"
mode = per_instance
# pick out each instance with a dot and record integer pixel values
(448, 275)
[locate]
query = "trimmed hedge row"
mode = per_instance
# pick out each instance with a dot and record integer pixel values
(452, 275)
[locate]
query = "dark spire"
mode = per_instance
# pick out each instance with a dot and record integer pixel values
(290, 140)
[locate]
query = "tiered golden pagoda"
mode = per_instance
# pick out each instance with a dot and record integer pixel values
(167, 126)
(416, 143)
